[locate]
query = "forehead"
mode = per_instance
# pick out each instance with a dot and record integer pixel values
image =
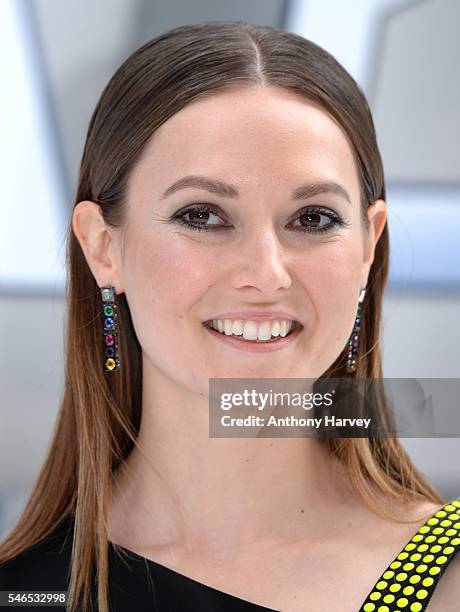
(256, 136)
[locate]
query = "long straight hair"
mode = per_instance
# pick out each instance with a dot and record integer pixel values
(99, 416)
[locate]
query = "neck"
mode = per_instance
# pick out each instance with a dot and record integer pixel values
(221, 495)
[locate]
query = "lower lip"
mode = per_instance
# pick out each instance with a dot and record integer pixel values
(251, 346)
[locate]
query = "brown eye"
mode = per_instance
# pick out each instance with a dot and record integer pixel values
(318, 220)
(315, 220)
(200, 216)
(197, 217)
(312, 217)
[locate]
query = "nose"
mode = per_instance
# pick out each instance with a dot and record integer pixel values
(260, 262)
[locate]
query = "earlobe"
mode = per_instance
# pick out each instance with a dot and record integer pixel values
(92, 233)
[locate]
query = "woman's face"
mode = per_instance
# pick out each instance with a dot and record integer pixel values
(257, 252)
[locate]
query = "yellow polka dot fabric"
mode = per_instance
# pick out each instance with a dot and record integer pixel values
(409, 581)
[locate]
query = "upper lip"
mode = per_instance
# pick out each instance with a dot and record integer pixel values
(255, 315)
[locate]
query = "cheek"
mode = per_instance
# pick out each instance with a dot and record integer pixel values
(331, 278)
(330, 273)
(165, 278)
(170, 273)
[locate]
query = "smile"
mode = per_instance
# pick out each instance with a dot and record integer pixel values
(250, 337)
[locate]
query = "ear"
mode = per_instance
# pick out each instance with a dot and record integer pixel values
(98, 244)
(377, 215)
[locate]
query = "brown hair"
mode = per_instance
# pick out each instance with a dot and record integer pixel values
(99, 416)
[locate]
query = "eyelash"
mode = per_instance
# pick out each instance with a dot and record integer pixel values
(336, 221)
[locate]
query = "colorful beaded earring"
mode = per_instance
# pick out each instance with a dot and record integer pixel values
(354, 338)
(109, 310)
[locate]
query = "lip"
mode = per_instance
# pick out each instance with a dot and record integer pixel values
(256, 315)
(249, 346)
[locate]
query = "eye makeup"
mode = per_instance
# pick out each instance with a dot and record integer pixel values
(310, 214)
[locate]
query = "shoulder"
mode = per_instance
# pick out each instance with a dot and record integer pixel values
(44, 565)
(446, 597)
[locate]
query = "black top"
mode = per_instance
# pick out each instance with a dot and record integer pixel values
(140, 584)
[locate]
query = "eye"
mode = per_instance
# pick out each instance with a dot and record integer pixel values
(202, 218)
(197, 218)
(316, 220)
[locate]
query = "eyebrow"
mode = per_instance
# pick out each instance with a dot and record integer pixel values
(226, 190)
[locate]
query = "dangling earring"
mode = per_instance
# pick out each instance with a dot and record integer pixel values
(109, 310)
(354, 338)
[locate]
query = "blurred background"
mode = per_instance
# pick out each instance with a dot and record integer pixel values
(56, 58)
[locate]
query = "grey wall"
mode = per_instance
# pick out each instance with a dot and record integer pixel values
(416, 92)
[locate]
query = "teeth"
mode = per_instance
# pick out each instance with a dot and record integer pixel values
(251, 330)
(284, 328)
(276, 328)
(264, 331)
(237, 328)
